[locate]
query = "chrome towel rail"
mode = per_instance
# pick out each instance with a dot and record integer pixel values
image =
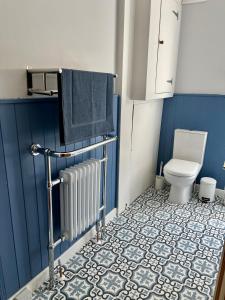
(40, 77)
(36, 149)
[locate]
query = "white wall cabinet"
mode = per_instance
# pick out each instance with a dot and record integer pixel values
(155, 48)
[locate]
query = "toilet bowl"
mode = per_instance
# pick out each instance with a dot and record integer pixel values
(181, 180)
(182, 170)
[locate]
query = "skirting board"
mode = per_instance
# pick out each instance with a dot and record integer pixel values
(44, 275)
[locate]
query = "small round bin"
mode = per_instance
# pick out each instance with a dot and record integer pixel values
(207, 189)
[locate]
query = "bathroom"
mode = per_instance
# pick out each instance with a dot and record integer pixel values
(151, 247)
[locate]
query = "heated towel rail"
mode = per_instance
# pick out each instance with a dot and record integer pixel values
(41, 77)
(36, 149)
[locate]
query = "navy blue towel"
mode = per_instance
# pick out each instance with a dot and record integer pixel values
(86, 105)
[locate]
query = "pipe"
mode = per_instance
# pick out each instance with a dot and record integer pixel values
(43, 92)
(105, 156)
(59, 241)
(50, 222)
(37, 149)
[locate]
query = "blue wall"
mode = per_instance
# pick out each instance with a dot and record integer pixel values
(196, 112)
(23, 204)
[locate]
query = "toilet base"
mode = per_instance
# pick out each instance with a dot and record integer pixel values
(180, 194)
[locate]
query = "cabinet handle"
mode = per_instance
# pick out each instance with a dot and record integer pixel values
(170, 81)
(176, 14)
(161, 42)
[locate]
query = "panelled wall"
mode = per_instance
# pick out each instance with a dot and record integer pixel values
(196, 112)
(23, 204)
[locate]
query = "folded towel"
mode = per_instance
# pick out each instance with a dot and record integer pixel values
(86, 105)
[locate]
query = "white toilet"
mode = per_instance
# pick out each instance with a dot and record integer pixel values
(182, 170)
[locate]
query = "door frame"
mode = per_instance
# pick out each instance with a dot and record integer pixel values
(220, 282)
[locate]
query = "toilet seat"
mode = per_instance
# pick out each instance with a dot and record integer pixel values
(182, 168)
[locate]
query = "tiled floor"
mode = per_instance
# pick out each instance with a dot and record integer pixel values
(154, 250)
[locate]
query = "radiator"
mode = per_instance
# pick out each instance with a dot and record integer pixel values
(80, 195)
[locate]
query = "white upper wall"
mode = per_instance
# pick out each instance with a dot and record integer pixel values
(54, 33)
(201, 64)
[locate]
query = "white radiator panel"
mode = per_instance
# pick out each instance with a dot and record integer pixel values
(80, 195)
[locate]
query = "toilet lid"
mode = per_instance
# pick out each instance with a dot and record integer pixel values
(182, 168)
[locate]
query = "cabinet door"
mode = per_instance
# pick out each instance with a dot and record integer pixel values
(168, 46)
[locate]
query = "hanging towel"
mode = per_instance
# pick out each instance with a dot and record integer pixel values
(86, 105)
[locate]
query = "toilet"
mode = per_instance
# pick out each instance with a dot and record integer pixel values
(182, 170)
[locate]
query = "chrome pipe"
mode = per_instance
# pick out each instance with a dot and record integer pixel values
(50, 222)
(37, 149)
(105, 157)
(102, 160)
(59, 241)
(42, 92)
(57, 181)
(101, 208)
(44, 70)
(51, 70)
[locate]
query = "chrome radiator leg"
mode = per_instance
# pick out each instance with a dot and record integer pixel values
(50, 223)
(105, 155)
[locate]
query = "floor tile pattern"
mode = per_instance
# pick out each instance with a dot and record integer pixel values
(154, 250)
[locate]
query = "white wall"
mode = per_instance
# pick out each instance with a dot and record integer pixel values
(124, 42)
(201, 64)
(54, 33)
(145, 144)
(90, 35)
(140, 120)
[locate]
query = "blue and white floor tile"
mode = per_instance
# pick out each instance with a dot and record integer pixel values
(154, 250)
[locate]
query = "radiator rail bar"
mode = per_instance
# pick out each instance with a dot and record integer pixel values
(36, 149)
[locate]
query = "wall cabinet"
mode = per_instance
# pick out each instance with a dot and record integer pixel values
(155, 48)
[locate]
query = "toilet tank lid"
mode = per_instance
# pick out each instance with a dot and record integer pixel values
(182, 168)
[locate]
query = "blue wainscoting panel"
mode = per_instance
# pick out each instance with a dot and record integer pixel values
(23, 202)
(8, 259)
(15, 191)
(196, 112)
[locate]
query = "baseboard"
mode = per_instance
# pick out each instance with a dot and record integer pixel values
(43, 276)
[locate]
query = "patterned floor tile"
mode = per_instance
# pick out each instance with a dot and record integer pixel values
(112, 283)
(154, 250)
(77, 289)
